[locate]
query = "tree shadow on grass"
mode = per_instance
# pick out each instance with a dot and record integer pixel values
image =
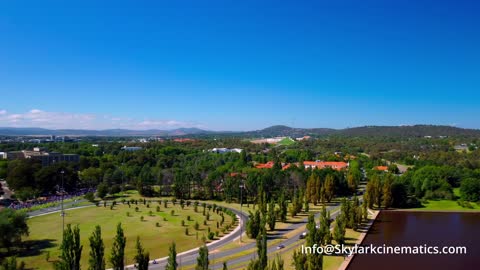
(294, 222)
(35, 247)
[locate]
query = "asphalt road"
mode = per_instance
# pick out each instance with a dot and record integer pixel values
(246, 258)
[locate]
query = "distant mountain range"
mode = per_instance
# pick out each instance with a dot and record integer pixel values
(273, 131)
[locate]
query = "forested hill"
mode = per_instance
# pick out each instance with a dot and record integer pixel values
(273, 131)
(279, 131)
(372, 131)
(410, 131)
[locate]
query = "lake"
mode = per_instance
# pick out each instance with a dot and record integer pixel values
(398, 228)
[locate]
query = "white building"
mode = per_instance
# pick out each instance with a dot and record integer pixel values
(225, 150)
(131, 148)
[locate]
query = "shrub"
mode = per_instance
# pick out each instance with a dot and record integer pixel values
(172, 212)
(186, 231)
(205, 222)
(158, 208)
(142, 218)
(157, 224)
(164, 219)
(211, 235)
(217, 233)
(197, 226)
(128, 214)
(188, 218)
(208, 216)
(183, 223)
(150, 213)
(90, 197)
(136, 208)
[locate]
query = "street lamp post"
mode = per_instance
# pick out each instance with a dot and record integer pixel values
(63, 212)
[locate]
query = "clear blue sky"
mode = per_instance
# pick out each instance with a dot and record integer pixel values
(239, 65)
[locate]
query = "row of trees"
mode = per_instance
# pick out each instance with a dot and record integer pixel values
(71, 251)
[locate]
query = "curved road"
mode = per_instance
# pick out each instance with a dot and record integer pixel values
(189, 258)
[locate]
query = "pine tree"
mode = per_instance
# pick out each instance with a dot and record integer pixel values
(117, 258)
(387, 191)
(364, 208)
(172, 258)
(142, 257)
(71, 250)
(202, 259)
(271, 215)
(329, 187)
(339, 230)
(324, 226)
(282, 202)
(262, 246)
(97, 250)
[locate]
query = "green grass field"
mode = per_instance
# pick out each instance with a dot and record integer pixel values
(286, 141)
(446, 205)
(45, 231)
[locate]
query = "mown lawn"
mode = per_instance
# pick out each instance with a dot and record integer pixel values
(45, 231)
(446, 205)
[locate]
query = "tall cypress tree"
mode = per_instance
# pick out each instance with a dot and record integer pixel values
(117, 258)
(97, 250)
(172, 258)
(71, 250)
(271, 215)
(142, 257)
(202, 259)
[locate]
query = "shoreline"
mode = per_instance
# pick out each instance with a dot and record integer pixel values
(348, 260)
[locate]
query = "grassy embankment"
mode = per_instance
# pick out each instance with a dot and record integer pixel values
(45, 231)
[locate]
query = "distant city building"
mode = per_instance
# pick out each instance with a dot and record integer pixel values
(225, 150)
(131, 148)
(46, 158)
(303, 138)
(461, 147)
(3, 155)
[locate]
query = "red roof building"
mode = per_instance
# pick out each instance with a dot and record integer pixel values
(336, 165)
